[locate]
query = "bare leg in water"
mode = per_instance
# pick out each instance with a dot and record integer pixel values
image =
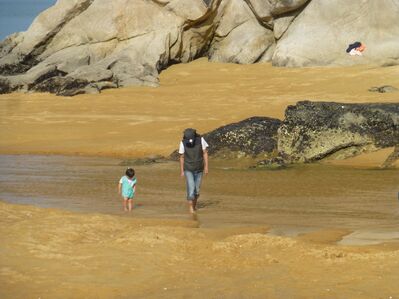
(195, 202)
(130, 205)
(127, 204)
(125, 200)
(191, 206)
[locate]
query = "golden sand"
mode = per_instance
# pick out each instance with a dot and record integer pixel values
(57, 254)
(140, 121)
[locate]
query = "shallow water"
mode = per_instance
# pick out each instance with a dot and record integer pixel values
(289, 201)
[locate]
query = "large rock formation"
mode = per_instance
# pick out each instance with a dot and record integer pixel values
(101, 44)
(82, 46)
(255, 137)
(311, 131)
(252, 137)
(315, 130)
(320, 33)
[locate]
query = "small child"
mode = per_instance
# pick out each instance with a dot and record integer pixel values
(127, 188)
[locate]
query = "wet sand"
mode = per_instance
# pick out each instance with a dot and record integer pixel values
(257, 234)
(313, 231)
(301, 198)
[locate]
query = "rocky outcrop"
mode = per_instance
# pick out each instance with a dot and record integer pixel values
(255, 137)
(252, 137)
(392, 158)
(240, 35)
(383, 89)
(318, 35)
(313, 131)
(101, 44)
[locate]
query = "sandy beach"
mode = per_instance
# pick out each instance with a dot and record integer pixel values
(140, 121)
(56, 254)
(63, 234)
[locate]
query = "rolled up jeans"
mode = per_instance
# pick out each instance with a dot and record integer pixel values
(193, 183)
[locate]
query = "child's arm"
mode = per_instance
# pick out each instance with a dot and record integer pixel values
(134, 184)
(119, 188)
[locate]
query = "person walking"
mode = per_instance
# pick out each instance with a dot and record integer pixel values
(193, 164)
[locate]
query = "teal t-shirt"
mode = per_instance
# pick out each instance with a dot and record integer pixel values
(128, 186)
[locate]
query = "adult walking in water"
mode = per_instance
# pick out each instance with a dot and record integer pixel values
(193, 164)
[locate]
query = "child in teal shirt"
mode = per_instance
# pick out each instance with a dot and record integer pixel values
(127, 188)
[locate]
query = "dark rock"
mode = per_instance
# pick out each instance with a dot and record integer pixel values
(272, 163)
(252, 137)
(22, 65)
(64, 86)
(52, 72)
(383, 89)
(174, 156)
(5, 86)
(143, 161)
(392, 158)
(311, 131)
(315, 130)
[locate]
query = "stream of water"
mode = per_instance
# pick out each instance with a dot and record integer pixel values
(289, 201)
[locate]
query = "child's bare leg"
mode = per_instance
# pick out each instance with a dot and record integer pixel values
(125, 203)
(130, 204)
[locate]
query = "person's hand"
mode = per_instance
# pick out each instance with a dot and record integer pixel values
(206, 170)
(182, 174)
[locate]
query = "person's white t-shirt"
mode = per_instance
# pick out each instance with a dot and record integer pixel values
(354, 52)
(203, 143)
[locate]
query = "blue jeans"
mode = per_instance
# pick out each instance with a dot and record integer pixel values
(193, 184)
